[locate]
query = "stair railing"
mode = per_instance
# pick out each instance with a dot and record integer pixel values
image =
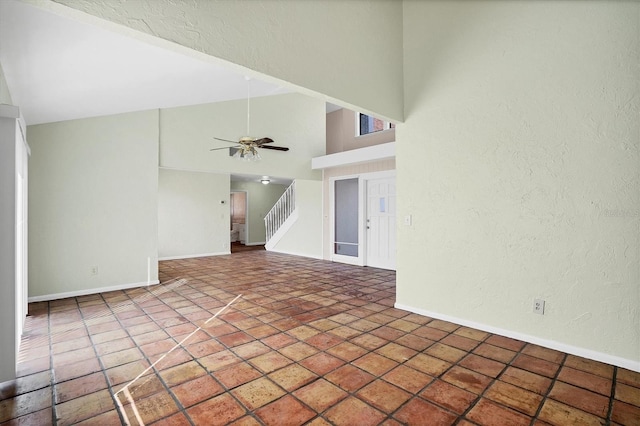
(280, 211)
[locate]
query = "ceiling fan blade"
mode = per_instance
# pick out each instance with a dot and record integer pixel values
(226, 147)
(276, 148)
(225, 140)
(263, 140)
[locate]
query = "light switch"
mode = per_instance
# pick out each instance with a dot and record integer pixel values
(407, 220)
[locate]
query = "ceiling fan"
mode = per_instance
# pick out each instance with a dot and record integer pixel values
(246, 145)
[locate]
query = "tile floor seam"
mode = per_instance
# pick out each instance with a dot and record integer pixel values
(156, 372)
(549, 389)
(54, 420)
(103, 369)
(463, 416)
(284, 302)
(614, 379)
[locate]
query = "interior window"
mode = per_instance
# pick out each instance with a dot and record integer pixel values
(368, 124)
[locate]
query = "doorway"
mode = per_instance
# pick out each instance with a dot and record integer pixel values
(381, 223)
(363, 220)
(238, 218)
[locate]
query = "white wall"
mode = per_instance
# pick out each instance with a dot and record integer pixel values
(305, 236)
(522, 133)
(291, 120)
(93, 202)
(337, 39)
(261, 198)
(191, 219)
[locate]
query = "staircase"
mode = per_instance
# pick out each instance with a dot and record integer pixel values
(281, 216)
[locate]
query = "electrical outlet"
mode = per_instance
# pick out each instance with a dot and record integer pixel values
(94, 270)
(538, 306)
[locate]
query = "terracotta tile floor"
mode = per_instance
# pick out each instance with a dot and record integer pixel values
(307, 342)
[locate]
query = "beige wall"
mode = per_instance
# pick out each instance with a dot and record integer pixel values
(519, 163)
(341, 133)
(93, 200)
(319, 47)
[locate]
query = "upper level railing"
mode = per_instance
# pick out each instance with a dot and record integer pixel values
(280, 211)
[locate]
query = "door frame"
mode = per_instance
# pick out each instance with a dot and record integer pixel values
(363, 178)
(246, 213)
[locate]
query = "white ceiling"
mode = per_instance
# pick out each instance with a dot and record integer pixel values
(60, 69)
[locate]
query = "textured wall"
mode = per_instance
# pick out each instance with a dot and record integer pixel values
(337, 39)
(519, 163)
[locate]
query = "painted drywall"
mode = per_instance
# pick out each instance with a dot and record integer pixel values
(93, 199)
(292, 120)
(192, 220)
(522, 134)
(5, 95)
(341, 133)
(305, 236)
(260, 199)
(341, 41)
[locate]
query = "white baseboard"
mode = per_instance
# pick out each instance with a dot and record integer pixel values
(255, 244)
(85, 292)
(551, 344)
(191, 256)
(296, 254)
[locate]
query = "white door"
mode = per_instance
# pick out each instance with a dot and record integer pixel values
(381, 223)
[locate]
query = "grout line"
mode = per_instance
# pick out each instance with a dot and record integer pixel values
(103, 370)
(613, 395)
(146, 358)
(125, 389)
(546, 395)
(52, 379)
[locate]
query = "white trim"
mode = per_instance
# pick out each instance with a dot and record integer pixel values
(189, 256)
(334, 257)
(256, 243)
(246, 212)
(355, 156)
(551, 344)
(88, 291)
(289, 253)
